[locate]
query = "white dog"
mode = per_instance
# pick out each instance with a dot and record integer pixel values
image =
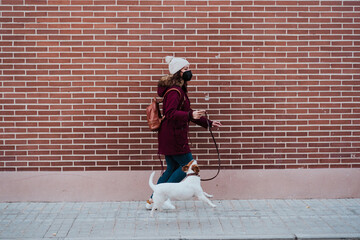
(188, 188)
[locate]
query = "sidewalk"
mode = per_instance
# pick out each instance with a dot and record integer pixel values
(232, 219)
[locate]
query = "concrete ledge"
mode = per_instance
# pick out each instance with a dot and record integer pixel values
(230, 184)
(328, 236)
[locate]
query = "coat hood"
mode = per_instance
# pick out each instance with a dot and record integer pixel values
(166, 82)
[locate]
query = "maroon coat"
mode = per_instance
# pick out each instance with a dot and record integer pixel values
(173, 133)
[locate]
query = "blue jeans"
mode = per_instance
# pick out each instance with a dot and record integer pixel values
(174, 164)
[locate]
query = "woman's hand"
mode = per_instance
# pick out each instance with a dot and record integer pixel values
(216, 124)
(198, 114)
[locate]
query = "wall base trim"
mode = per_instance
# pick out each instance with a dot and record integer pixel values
(230, 184)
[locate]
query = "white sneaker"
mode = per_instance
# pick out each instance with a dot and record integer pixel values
(149, 204)
(166, 206)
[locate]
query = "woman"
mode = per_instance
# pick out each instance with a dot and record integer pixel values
(173, 133)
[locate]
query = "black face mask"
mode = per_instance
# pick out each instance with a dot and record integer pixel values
(187, 76)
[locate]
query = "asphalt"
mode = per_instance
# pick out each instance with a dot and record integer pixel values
(231, 219)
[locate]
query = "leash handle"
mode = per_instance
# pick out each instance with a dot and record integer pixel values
(217, 149)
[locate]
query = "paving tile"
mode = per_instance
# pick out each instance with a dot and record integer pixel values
(232, 219)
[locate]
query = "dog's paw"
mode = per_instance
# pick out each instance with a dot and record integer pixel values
(208, 195)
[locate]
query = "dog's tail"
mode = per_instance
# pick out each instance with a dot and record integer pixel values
(151, 184)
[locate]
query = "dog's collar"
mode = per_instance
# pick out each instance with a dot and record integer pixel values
(192, 174)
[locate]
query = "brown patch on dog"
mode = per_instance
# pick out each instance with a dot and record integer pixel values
(186, 167)
(196, 169)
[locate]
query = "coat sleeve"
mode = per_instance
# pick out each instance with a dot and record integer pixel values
(171, 112)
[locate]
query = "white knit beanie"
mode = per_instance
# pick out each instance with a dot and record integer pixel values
(175, 64)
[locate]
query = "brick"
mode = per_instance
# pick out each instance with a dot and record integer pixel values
(280, 74)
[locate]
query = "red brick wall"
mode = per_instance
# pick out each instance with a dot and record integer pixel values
(76, 76)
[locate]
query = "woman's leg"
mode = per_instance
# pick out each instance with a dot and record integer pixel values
(181, 160)
(171, 166)
(173, 173)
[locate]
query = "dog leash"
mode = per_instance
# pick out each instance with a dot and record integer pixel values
(217, 149)
(162, 165)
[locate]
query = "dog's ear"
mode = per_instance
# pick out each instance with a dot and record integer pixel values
(196, 169)
(185, 168)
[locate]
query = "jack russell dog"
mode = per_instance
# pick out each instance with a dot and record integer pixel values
(185, 190)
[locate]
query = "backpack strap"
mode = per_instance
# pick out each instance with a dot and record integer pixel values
(175, 89)
(172, 89)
